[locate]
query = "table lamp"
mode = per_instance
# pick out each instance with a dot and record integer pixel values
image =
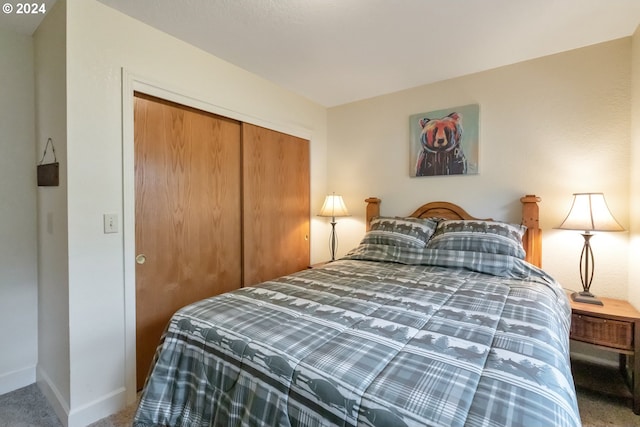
(589, 212)
(333, 207)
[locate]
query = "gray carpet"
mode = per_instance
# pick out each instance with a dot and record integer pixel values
(27, 407)
(598, 410)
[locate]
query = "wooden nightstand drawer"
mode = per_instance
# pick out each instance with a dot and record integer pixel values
(606, 332)
(613, 326)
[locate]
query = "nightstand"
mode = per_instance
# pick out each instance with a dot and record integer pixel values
(614, 326)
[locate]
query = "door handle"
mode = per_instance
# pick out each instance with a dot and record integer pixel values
(141, 259)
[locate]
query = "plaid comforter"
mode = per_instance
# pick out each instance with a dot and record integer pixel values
(426, 340)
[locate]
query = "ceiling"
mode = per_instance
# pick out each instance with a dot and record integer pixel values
(338, 51)
(23, 23)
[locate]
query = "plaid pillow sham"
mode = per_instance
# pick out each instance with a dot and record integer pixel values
(479, 236)
(410, 232)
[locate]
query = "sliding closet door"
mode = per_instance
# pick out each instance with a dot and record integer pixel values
(188, 220)
(275, 203)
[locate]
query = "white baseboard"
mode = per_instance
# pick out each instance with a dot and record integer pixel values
(98, 409)
(14, 380)
(86, 414)
(54, 397)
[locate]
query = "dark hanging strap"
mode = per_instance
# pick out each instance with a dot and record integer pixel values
(53, 149)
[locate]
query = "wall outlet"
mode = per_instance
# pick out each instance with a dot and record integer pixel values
(110, 223)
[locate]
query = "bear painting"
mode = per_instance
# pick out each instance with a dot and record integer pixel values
(441, 148)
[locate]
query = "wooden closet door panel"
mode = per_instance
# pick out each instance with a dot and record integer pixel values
(188, 221)
(275, 203)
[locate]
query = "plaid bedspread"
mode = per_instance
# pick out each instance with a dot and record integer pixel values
(369, 343)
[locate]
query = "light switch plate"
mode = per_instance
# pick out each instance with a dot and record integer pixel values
(110, 223)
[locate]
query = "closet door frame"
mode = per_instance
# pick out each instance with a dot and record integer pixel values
(132, 82)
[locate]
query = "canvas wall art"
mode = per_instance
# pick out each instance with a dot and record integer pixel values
(445, 142)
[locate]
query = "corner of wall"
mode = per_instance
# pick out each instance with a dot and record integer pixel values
(634, 185)
(53, 371)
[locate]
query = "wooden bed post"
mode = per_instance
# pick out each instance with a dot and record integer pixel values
(532, 240)
(373, 209)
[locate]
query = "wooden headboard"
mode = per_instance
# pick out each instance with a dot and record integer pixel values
(532, 239)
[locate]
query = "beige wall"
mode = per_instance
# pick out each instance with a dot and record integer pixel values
(551, 126)
(18, 250)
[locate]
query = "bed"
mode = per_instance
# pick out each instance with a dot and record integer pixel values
(435, 319)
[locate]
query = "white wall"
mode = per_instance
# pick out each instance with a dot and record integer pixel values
(100, 43)
(551, 127)
(18, 247)
(53, 289)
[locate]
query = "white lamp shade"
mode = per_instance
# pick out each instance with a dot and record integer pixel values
(333, 206)
(589, 212)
